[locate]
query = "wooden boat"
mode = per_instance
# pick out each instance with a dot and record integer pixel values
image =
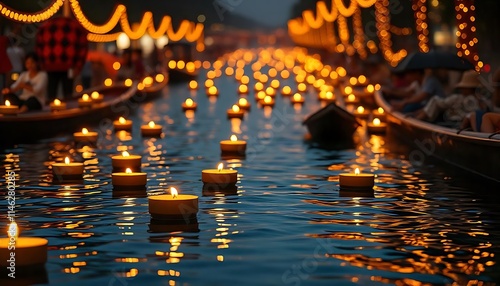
(331, 124)
(475, 152)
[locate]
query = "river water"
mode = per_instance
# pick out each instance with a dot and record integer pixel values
(287, 224)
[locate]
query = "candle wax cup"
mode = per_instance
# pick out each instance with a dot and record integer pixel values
(98, 99)
(122, 126)
(151, 131)
(63, 169)
(185, 107)
(165, 206)
(9, 110)
(122, 179)
(120, 162)
(84, 103)
(353, 181)
(228, 146)
(29, 251)
(263, 103)
(59, 107)
(372, 128)
(89, 137)
(222, 177)
(363, 114)
(233, 114)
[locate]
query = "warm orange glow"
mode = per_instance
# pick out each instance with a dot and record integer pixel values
(159, 77)
(212, 90)
(209, 83)
(13, 230)
(245, 79)
(173, 192)
(57, 102)
(351, 97)
(125, 154)
(128, 171)
(270, 91)
(243, 88)
(348, 90)
(275, 83)
(189, 102)
(376, 122)
(235, 108)
(259, 86)
(7, 103)
(94, 95)
(362, 79)
(380, 110)
(329, 95)
(193, 84)
(220, 167)
(360, 109)
(297, 97)
(148, 81)
(122, 120)
(234, 138)
(268, 99)
(108, 82)
(302, 87)
(66, 160)
(116, 66)
(85, 97)
(243, 101)
(370, 88)
(85, 131)
(356, 172)
(128, 82)
(151, 124)
(286, 90)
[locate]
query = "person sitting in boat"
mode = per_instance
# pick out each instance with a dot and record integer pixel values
(33, 86)
(131, 66)
(490, 122)
(456, 106)
(424, 84)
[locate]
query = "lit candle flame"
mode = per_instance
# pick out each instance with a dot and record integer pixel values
(329, 95)
(125, 154)
(234, 138)
(189, 102)
(66, 160)
(122, 120)
(268, 99)
(85, 131)
(243, 101)
(57, 102)
(193, 84)
(13, 230)
(348, 90)
(85, 97)
(95, 95)
(297, 97)
(356, 172)
(360, 109)
(173, 192)
(220, 167)
(362, 79)
(235, 108)
(370, 88)
(376, 122)
(380, 110)
(151, 124)
(128, 171)
(212, 90)
(287, 89)
(7, 103)
(351, 97)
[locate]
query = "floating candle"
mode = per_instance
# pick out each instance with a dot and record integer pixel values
(352, 99)
(370, 88)
(376, 126)
(22, 251)
(297, 98)
(151, 129)
(286, 91)
(267, 101)
(244, 104)
(129, 180)
(193, 85)
(258, 86)
(357, 181)
(85, 136)
(57, 105)
(243, 89)
(189, 104)
(121, 162)
(212, 91)
(122, 124)
(379, 113)
(67, 170)
(219, 177)
(96, 97)
(233, 146)
(9, 109)
(328, 97)
(85, 101)
(173, 206)
(361, 112)
(270, 91)
(235, 112)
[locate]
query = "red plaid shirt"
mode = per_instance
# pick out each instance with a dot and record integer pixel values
(61, 44)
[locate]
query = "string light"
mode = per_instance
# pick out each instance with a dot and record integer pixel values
(36, 17)
(420, 13)
(466, 33)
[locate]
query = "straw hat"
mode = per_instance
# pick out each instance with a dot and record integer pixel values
(470, 79)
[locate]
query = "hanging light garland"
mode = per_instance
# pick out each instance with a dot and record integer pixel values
(36, 17)
(382, 16)
(466, 33)
(420, 13)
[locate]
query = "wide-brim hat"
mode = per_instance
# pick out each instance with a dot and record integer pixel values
(470, 79)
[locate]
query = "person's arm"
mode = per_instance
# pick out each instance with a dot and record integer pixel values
(19, 84)
(419, 97)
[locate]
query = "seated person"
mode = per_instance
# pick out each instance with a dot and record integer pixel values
(33, 86)
(456, 106)
(490, 122)
(415, 98)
